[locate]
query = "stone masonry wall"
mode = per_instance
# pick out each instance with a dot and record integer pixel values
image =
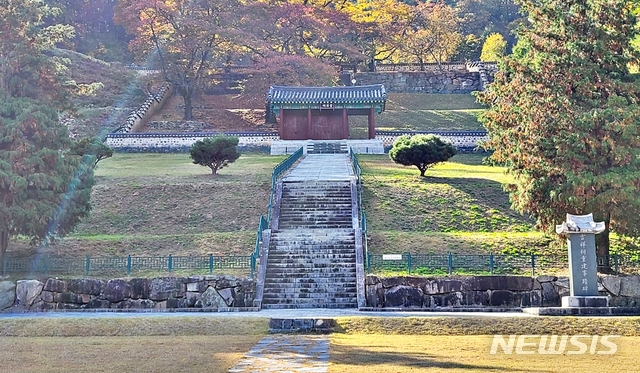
(211, 292)
(443, 82)
(483, 291)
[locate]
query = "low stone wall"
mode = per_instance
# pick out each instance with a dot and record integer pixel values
(441, 82)
(138, 117)
(489, 291)
(211, 292)
(462, 140)
(173, 126)
(259, 141)
(181, 142)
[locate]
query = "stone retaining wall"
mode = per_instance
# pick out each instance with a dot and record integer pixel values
(441, 82)
(211, 292)
(483, 291)
(258, 141)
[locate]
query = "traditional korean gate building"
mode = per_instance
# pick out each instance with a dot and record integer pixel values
(322, 113)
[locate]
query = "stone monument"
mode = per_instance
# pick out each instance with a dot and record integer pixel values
(580, 231)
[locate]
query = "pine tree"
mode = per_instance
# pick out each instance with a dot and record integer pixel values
(44, 190)
(564, 115)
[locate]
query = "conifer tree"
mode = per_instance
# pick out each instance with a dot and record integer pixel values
(564, 115)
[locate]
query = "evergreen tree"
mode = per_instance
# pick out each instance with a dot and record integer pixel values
(44, 190)
(422, 151)
(215, 152)
(564, 115)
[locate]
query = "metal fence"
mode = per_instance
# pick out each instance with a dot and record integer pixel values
(450, 264)
(126, 265)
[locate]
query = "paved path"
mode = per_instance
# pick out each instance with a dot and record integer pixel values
(274, 313)
(322, 167)
(286, 353)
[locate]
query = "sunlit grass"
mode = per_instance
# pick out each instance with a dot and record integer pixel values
(418, 353)
(116, 344)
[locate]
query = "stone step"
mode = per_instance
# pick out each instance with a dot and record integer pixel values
(313, 282)
(308, 248)
(310, 266)
(286, 257)
(340, 297)
(317, 225)
(315, 207)
(311, 244)
(317, 275)
(309, 287)
(303, 306)
(318, 193)
(314, 232)
(284, 297)
(321, 300)
(314, 214)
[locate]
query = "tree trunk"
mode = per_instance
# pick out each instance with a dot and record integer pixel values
(602, 248)
(188, 110)
(4, 243)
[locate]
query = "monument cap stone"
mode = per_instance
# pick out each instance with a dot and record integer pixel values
(580, 224)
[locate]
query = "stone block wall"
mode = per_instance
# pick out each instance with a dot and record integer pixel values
(489, 291)
(153, 102)
(181, 142)
(440, 82)
(211, 292)
(461, 139)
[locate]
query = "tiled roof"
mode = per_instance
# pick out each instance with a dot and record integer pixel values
(362, 94)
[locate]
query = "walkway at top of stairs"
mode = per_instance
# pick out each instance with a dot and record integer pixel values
(322, 167)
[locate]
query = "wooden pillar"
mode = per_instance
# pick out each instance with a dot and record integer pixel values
(309, 123)
(345, 124)
(372, 123)
(281, 126)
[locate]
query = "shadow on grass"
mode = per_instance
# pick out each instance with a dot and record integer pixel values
(363, 356)
(482, 190)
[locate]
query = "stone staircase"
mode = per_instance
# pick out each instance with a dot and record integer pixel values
(312, 249)
(329, 147)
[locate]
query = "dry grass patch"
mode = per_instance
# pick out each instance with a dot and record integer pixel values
(418, 353)
(132, 326)
(123, 354)
(119, 344)
(459, 326)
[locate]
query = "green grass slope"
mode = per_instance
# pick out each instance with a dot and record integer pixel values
(423, 112)
(161, 204)
(458, 207)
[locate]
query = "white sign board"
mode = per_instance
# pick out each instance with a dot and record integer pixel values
(391, 256)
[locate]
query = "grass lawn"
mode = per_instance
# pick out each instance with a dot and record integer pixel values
(423, 112)
(458, 207)
(117, 344)
(195, 354)
(161, 204)
(462, 344)
(419, 353)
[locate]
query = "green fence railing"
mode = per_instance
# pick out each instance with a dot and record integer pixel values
(264, 224)
(277, 172)
(362, 214)
(125, 265)
(450, 264)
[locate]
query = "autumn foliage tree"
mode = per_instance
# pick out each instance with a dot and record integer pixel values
(186, 35)
(433, 34)
(493, 48)
(25, 68)
(564, 115)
